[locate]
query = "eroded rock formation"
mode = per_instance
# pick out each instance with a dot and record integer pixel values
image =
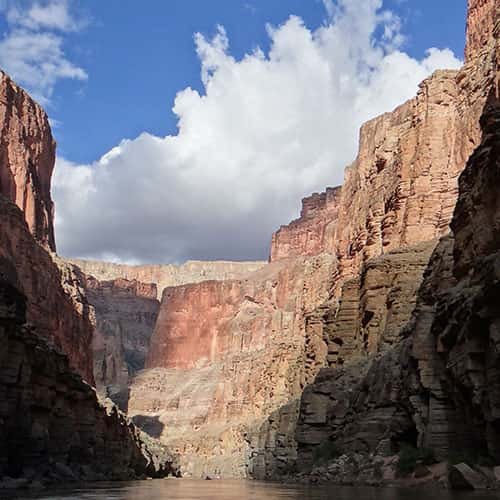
(125, 316)
(225, 354)
(164, 275)
(56, 303)
(253, 345)
(438, 388)
(481, 18)
(27, 155)
(52, 426)
(309, 234)
(125, 300)
(55, 299)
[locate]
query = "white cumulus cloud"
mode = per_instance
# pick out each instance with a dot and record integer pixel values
(31, 51)
(268, 129)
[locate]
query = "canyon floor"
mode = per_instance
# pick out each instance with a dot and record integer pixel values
(365, 351)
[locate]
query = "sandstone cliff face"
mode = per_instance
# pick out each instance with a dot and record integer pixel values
(223, 356)
(125, 316)
(438, 388)
(165, 275)
(481, 18)
(124, 299)
(458, 354)
(52, 426)
(363, 240)
(27, 153)
(56, 299)
(375, 306)
(56, 302)
(308, 234)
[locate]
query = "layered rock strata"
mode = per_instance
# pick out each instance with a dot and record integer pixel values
(165, 275)
(56, 301)
(308, 235)
(125, 316)
(438, 388)
(374, 307)
(400, 192)
(225, 354)
(52, 426)
(124, 299)
(27, 155)
(367, 244)
(481, 18)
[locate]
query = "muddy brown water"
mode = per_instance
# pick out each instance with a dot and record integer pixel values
(185, 489)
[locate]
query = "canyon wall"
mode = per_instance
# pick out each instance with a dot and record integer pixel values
(230, 360)
(438, 387)
(27, 152)
(125, 316)
(165, 275)
(481, 19)
(223, 355)
(125, 300)
(56, 302)
(52, 426)
(308, 234)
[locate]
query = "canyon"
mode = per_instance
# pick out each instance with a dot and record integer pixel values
(236, 377)
(53, 426)
(373, 327)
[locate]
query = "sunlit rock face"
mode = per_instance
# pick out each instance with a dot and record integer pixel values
(481, 18)
(27, 155)
(308, 235)
(438, 388)
(341, 284)
(56, 302)
(164, 275)
(254, 344)
(225, 354)
(125, 300)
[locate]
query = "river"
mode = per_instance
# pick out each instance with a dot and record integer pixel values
(185, 489)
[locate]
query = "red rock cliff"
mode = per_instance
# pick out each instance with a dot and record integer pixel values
(56, 302)
(247, 355)
(308, 234)
(480, 24)
(27, 154)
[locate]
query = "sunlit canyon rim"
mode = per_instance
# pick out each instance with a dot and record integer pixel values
(371, 332)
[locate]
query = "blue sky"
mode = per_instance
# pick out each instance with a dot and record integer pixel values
(138, 58)
(178, 139)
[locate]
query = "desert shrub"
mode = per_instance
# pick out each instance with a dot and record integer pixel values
(326, 451)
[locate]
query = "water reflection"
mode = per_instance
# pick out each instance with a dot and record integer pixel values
(185, 489)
